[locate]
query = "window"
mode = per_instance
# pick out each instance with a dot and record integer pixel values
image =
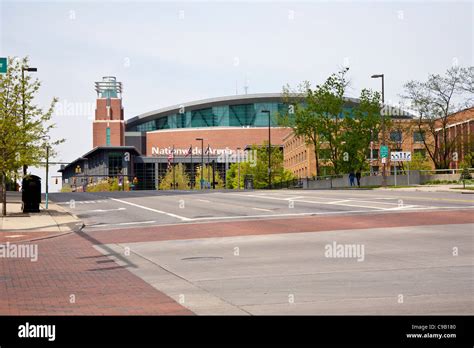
(396, 136)
(418, 137)
(375, 153)
(243, 115)
(115, 163)
(203, 118)
(107, 136)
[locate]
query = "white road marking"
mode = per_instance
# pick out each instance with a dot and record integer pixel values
(312, 202)
(408, 209)
(123, 224)
(182, 218)
(15, 236)
(101, 210)
(262, 209)
(204, 200)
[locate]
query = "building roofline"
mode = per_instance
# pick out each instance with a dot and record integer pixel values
(98, 148)
(225, 100)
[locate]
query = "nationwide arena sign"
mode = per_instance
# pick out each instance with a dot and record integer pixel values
(163, 151)
(223, 155)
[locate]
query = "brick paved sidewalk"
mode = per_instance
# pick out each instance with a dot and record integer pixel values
(69, 265)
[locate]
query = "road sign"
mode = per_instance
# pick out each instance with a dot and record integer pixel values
(3, 65)
(383, 151)
(400, 156)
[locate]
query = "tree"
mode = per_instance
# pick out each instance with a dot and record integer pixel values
(259, 170)
(360, 129)
(419, 162)
(179, 177)
(208, 174)
(319, 120)
(24, 127)
(434, 101)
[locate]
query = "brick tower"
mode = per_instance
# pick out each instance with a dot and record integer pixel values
(108, 127)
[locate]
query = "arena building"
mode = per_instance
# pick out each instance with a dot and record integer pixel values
(195, 133)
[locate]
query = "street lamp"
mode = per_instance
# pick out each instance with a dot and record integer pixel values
(23, 69)
(238, 160)
(47, 170)
(376, 76)
(202, 160)
(269, 150)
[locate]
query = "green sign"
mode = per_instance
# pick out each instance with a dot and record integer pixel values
(3, 65)
(383, 151)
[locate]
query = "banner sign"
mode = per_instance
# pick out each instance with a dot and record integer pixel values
(400, 156)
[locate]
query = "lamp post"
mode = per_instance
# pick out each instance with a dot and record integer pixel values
(238, 160)
(384, 178)
(23, 69)
(202, 159)
(208, 164)
(269, 150)
(47, 171)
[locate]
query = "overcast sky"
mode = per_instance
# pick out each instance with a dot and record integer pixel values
(168, 53)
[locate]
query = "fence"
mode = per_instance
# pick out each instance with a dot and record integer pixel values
(403, 178)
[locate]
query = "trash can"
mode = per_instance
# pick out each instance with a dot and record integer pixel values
(31, 194)
(248, 182)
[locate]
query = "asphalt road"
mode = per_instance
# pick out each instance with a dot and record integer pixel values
(411, 267)
(402, 270)
(111, 210)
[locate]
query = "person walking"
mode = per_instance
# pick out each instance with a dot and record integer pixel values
(351, 178)
(358, 175)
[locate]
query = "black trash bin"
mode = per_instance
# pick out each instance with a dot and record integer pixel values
(31, 194)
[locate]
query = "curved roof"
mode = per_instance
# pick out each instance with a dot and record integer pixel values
(210, 102)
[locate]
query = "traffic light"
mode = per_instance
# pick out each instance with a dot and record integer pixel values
(56, 181)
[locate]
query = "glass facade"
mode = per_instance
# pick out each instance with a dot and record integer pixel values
(240, 115)
(115, 163)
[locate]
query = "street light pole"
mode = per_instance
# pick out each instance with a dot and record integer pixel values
(23, 69)
(47, 175)
(384, 178)
(202, 159)
(238, 160)
(208, 164)
(269, 150)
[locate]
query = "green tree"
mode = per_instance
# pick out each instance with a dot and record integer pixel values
(419, 162)
(259, 169)
(24, 126)
(320, 118)
(207, 176)
(179, 177)
(359, 129)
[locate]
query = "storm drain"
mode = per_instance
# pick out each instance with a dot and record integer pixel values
(202, 258)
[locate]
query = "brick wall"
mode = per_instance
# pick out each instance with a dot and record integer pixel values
(217, 138)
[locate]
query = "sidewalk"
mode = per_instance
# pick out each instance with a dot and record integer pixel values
(26, 226)
(432, 188)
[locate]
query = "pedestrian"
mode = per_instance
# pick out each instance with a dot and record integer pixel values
(351, 178)
(358, 178)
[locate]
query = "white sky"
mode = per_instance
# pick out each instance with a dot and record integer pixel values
(168, 53)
